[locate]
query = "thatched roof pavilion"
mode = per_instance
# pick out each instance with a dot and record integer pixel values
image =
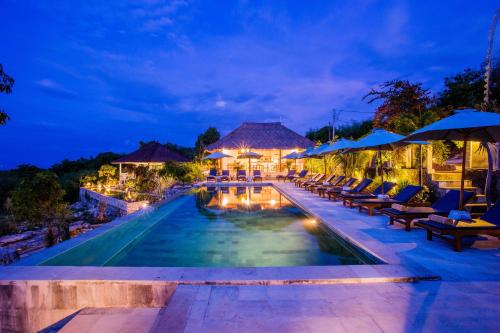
(149, 153)
(262, 136)
(271, 140)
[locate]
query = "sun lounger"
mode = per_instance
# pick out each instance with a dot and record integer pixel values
(312, 186)
(257, 176)
(310, 182)
(289, 175)
(302, 175)
(443, 206)
(225, 176)
(335, 182)
(241, 175)
(488, 224)
(403, 196)
(332, 192)
(212, 175)
(348, 198)
(298, 181)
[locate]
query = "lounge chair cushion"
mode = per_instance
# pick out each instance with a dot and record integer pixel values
(441, 219)
(407, 193)
(451, 200)
(493, 214)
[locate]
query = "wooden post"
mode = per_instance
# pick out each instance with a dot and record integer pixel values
(462, 181)
(279, 163)
(119, 172)
(420, 170)
(381, 168)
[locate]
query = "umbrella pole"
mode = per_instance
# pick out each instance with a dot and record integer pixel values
(381, 169)
(420, 171)
(249, 167)
(324, 163)
(462, 180)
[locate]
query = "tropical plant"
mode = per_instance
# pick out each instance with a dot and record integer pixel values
(107, 172)
(88, 180)
(6, 83)
(181, 172)
(39, 201)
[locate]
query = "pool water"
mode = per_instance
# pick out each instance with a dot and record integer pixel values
(217, 227)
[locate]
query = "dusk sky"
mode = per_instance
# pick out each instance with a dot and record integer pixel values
(94, 76)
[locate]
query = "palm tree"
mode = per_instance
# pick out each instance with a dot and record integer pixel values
(486, 103)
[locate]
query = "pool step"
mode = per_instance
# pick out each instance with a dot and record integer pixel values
(123, 320)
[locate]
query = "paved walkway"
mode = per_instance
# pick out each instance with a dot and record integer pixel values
(465, 300)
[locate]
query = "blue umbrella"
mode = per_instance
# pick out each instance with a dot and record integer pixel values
(318, 153)
(215, 156)
(292, 156)
(218, 155)
(466, 125)
(340, 144)
(379, 139)
(305, 152)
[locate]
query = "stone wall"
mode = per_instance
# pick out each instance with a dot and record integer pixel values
(123, 207)
(29, 306)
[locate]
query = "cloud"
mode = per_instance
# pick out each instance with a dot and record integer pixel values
(54, 89)
(157, 24)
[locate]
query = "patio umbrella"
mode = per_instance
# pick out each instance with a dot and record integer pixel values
(464, 125)
(379, 140)
(292, 156)
(249, 155)
(218, 155)
(318, 153)
(340, 144)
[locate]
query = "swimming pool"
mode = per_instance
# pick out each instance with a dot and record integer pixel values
(253, 226)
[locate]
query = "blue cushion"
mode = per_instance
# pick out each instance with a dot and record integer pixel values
(362, 185)
(493, 215)
(387, 187)
(451, 200)
(407, 193)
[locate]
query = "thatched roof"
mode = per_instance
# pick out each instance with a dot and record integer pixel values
(152, 152)
(262, 136)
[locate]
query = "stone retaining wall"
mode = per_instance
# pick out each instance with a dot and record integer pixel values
(122, 206)
(29, 306)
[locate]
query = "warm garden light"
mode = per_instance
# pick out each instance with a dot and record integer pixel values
(272, 202)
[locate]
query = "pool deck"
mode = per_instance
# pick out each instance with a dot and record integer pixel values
(424, 287)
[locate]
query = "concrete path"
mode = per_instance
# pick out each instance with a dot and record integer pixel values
(465, 300)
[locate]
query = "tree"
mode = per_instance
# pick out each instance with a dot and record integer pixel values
(108, 172)
(466, 89)
(400, 99)
(211, 135)
(354, 130)
(6, 83)
(39, 200)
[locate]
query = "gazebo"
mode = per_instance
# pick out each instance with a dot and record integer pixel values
(152, 154)
(272, 141)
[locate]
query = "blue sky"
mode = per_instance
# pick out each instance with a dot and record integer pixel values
(95, 76)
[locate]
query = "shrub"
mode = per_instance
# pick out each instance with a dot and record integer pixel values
(39, 201)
